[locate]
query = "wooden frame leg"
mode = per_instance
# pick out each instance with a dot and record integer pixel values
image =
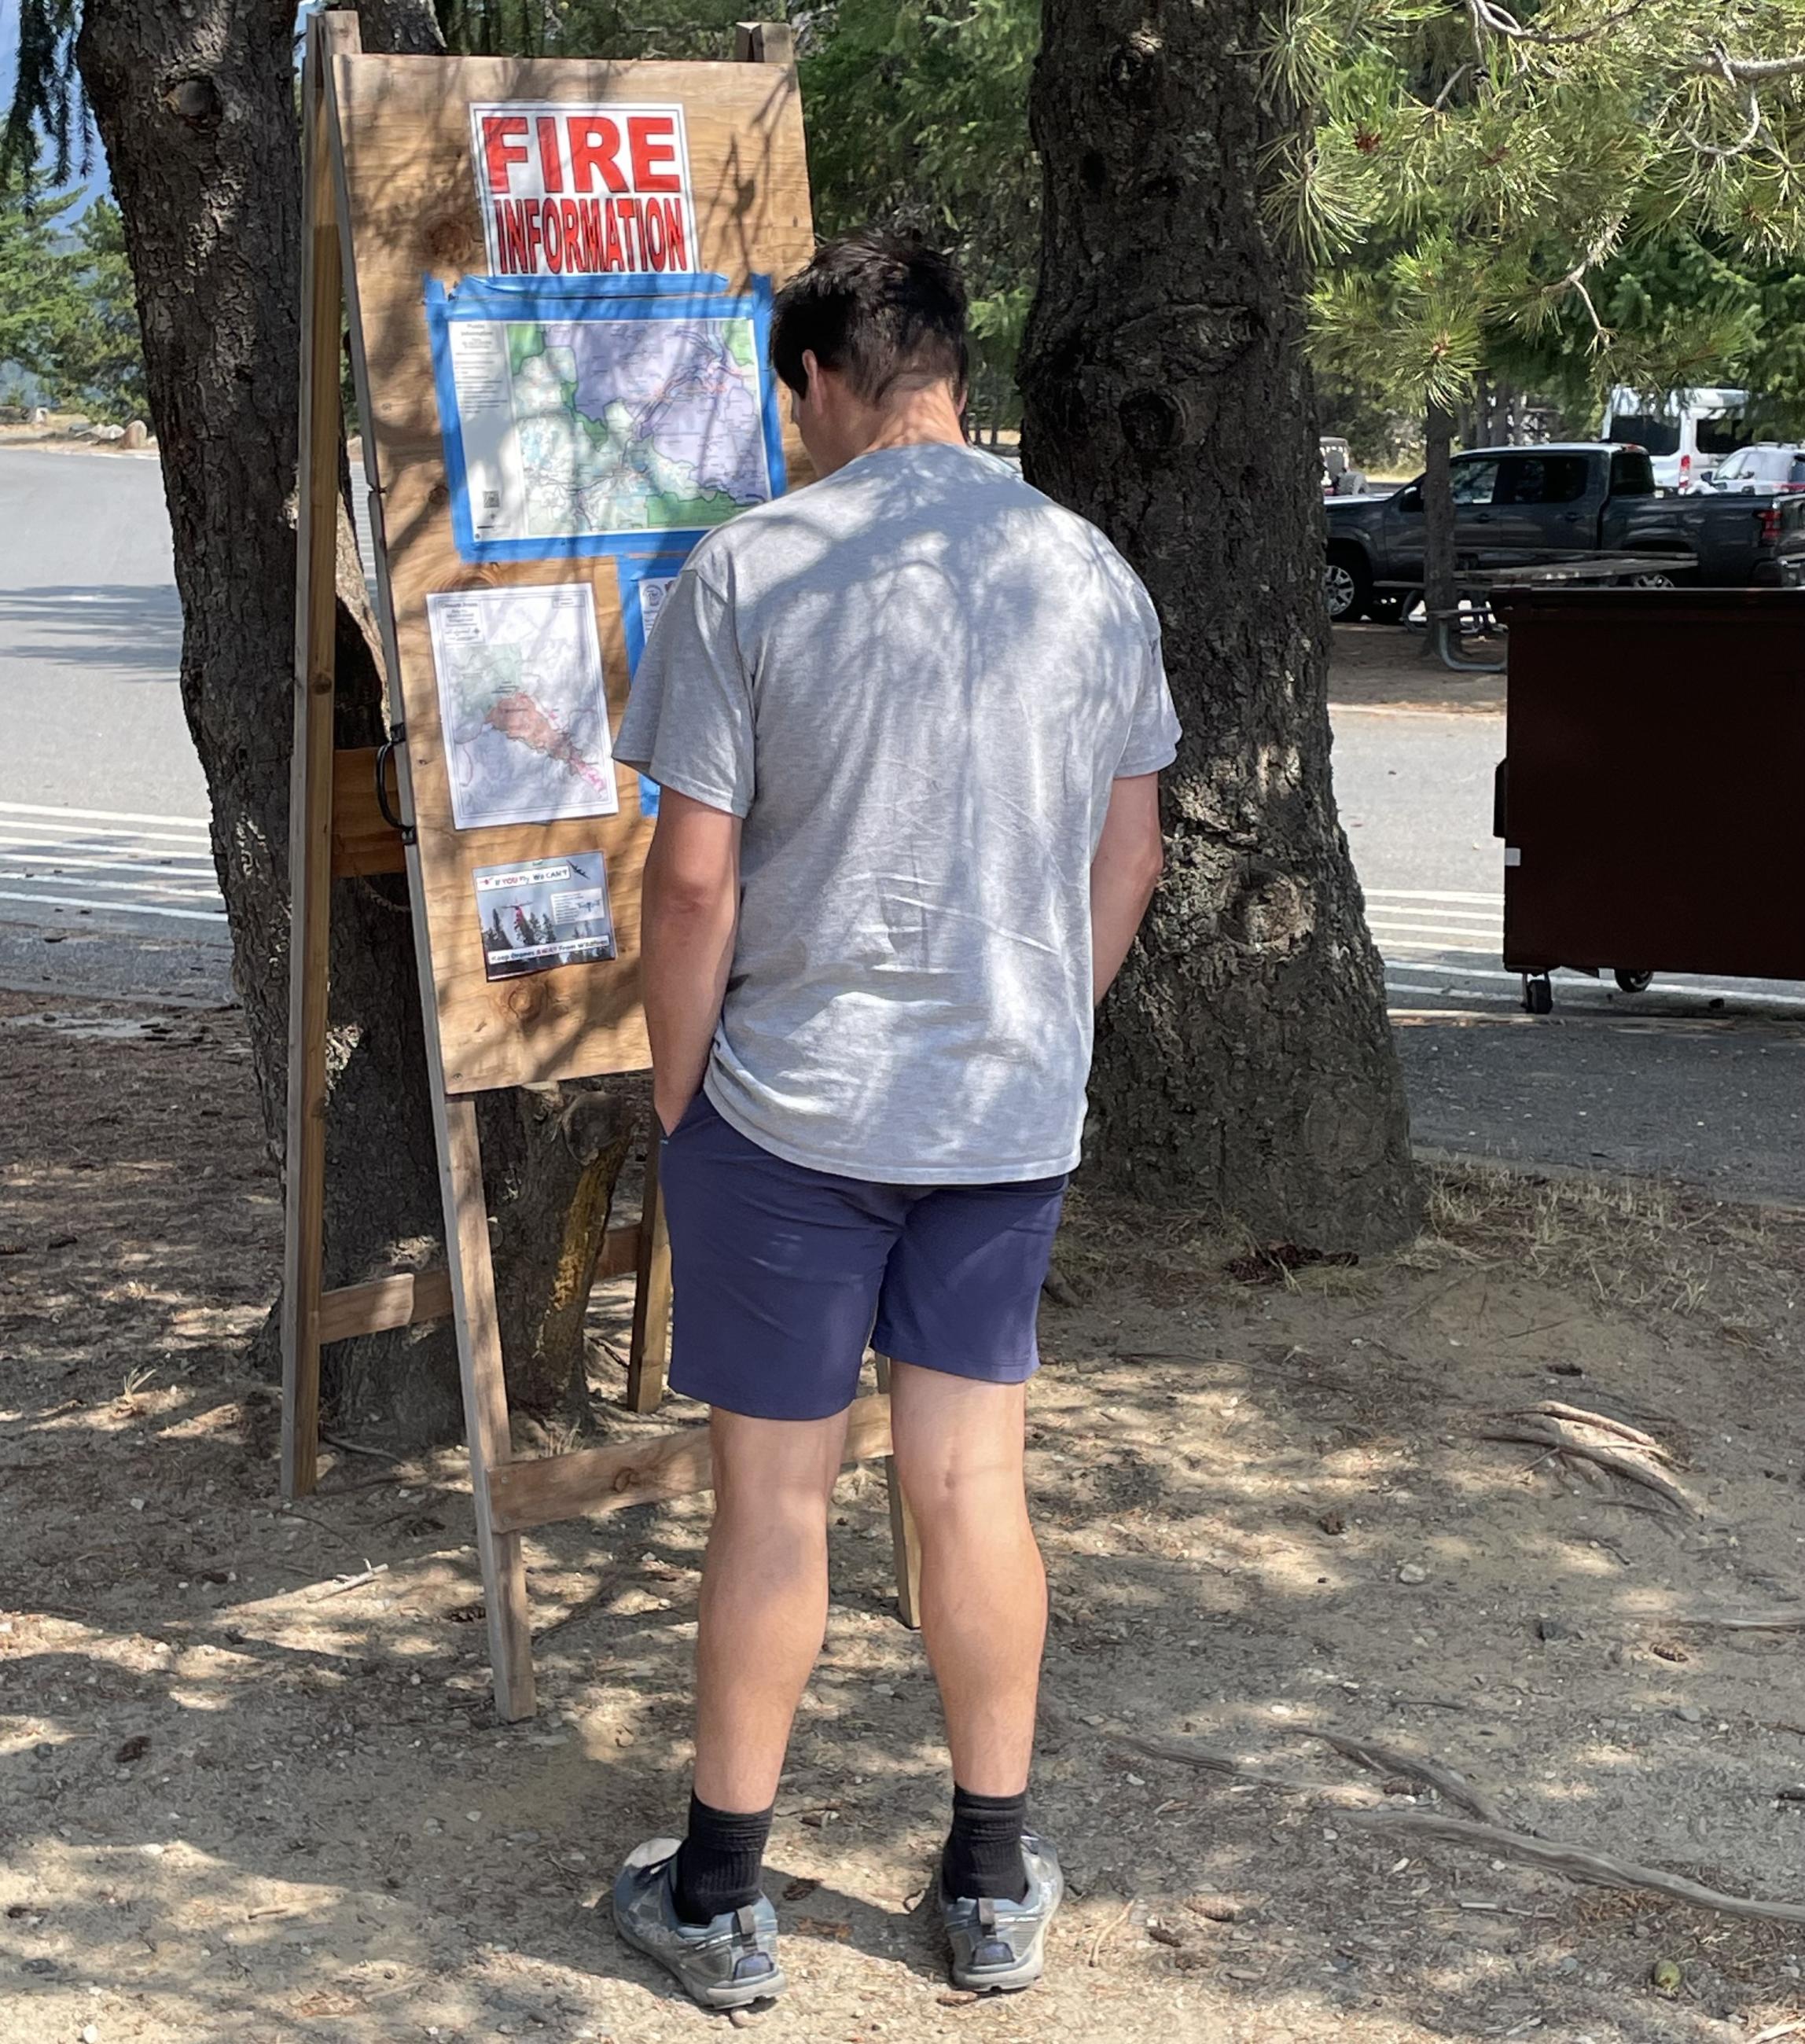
(485, 1404)
(905, 1543)
(648, 1360)
(310, 804)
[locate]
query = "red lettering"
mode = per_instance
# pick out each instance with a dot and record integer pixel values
(530, 233)
(550, 163)
(627, 211)
(652, 139)
(570, 223)
(510, 242)
(652, 230)
(595, 146)
(676, 242)
(612, 258)
(500, 148)
(591, 210)
(550, 228)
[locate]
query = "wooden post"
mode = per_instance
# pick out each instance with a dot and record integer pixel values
(648, 1359)
(905, 1543)
(486, 1402)
(311, 790)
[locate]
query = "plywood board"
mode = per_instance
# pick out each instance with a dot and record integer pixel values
(402, 139)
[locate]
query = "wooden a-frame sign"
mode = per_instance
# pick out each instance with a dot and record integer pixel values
(393, 212)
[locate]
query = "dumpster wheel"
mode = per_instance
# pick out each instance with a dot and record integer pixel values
(1538, 993)
(1633, 982)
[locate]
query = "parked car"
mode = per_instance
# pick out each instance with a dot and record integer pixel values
(1516, 505)
(1685, 436)
(1340, 477)
(1774, 466)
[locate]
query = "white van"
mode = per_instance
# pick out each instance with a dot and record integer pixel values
(1686, 435)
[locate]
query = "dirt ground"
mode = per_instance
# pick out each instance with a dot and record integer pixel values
(238, 1803)
(1374, 666)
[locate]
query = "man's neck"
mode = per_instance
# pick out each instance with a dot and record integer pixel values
(917, 418)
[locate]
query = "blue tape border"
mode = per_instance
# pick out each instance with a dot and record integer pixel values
(702, 295)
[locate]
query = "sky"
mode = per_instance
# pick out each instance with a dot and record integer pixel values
(96, 180)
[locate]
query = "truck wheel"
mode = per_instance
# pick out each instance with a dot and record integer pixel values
(1347, 585)
(1657, 578)
(1634, 982)
(1538, 994)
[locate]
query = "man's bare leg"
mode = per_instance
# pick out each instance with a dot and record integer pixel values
(957, 1444)
(764, 1599)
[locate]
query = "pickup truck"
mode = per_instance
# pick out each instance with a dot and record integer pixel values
(1516, 505)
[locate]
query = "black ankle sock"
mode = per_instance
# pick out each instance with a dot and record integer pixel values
(983, 1856)
(718, 1864)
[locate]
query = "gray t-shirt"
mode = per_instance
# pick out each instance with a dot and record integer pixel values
(916, 680)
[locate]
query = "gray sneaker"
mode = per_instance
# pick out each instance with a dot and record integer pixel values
(1003, 1944)
(726, 1964)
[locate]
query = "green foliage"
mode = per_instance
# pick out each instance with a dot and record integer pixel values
(1576, 192)
(66, 315)
(917, 118)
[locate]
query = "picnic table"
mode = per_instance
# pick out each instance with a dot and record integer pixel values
(1556, 571)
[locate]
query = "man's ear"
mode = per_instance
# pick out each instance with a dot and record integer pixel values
(810, 369)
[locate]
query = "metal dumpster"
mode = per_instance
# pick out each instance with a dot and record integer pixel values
(1652, 795)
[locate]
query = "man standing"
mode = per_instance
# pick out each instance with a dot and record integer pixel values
(908, 722)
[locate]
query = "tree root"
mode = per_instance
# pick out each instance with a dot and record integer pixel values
(1576, 1863)
(1552, 1408)
(1448, 1783)
(1565, 1437)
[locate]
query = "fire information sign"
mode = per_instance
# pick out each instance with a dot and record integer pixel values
(582, 191)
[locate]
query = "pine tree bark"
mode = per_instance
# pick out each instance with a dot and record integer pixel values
(196, 107)
(1244, 1059)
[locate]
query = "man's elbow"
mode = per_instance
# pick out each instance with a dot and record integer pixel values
(1151, 863)
(675, 895)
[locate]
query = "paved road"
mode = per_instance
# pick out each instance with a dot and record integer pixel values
(103, 849)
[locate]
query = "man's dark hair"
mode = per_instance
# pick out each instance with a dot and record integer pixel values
(878, 307)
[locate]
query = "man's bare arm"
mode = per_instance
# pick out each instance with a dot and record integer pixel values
(691, 908)
(1124, 871)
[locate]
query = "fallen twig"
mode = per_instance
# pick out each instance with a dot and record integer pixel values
(339, 1585)
(1563, 1436)
(1778, 2030)
(1107, 1930)
(1448, 1782)
(1753, 1621)
(359, 1448)
(1599, 1868)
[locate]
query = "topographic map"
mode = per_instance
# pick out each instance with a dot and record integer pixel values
(522, 704)
(596, 428)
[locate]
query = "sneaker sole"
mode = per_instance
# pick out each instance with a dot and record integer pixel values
(728, 1996)
(1005, 1979)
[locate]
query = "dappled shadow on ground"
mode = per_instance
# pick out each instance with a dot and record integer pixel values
(242, 1801)
(1381, 666)
(130, 628)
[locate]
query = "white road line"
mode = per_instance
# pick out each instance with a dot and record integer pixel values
(100, 835)
(93, 838)
(1383, 925)
(1573, 981)
(49, 879)
(1450, 992)
(1422, 895)
(115, 908)
(1439, 951)
(98, 816)
(152, 869)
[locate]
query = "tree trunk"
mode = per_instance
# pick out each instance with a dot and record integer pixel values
(1244, 1059)
(1439, 592)
(196, 108)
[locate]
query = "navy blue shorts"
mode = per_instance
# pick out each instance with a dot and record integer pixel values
(782, 1275)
